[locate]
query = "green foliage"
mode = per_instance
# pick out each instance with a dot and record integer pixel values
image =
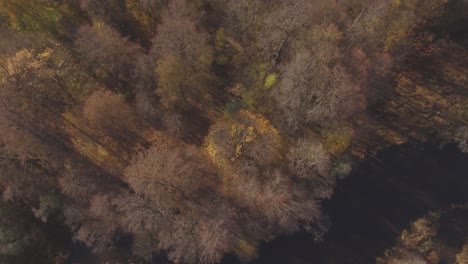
(146, 16)
(4, 20)
(337, 140)
(341, 168)
(255, 90)
(242, 136)
(49, 17)
(246, 249)
(270, 80)
(181, 86)
(220, 46)
(48, 76)
(228, 52)
(52, 201)
(220, 40)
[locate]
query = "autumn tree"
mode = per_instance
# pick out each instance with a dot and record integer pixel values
(57, 20)
(282, 26)
(315, 88)
(185, 57)
(402, 256)
(247, 149)
(179, 183)
(240, 16)
(309, 160)
(463, 255)
(111, 116)
(246, 137)
(384, 25)
(38, 84)
(307, 157)
(116, 61)
(171, 178)
(12, 41)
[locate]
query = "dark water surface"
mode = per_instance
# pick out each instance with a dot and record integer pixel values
(372, 206)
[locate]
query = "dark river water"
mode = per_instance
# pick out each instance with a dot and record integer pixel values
(372, 206)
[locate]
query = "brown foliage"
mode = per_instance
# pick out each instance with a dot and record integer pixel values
(116, 61)
(37, 85)
(108, 112)
(184, 63)
(314, 88)
(171, 177)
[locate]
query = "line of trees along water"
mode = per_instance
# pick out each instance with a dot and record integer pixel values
(380, 199)
(372, 207)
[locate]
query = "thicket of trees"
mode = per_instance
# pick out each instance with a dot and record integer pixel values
(202, 128)
(426, 239)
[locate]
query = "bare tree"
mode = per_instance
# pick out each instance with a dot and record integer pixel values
(179, 36)
(172, 178)
(111, 116)
(179, 183)
(185, 58)
(282, 25)
(308, 158)
(461, 138)
(314, 88)
(116, 61)
(401, 256)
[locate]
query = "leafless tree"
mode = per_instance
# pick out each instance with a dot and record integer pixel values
(314, 89)
(116, 61)
(401, 256)
(172, 178)
(461, 138)
(178, 36)
(185, 58)
(308, 158)
(281, 26)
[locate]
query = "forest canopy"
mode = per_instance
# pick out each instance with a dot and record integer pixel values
(198, 129)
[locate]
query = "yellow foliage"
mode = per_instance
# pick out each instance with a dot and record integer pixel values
(242, 135)
(145, 16)
(41, 16)
(337, 140)
(100, 152)
(246, 249)
(23, 59)
(256, 95)
(220, 39)
(221, 59)
(462, 257)
(270, 80)
(419, 236)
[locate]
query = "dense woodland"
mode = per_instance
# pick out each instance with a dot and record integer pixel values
(200, 128)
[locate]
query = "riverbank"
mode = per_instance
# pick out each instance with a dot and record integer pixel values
(371, 207)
